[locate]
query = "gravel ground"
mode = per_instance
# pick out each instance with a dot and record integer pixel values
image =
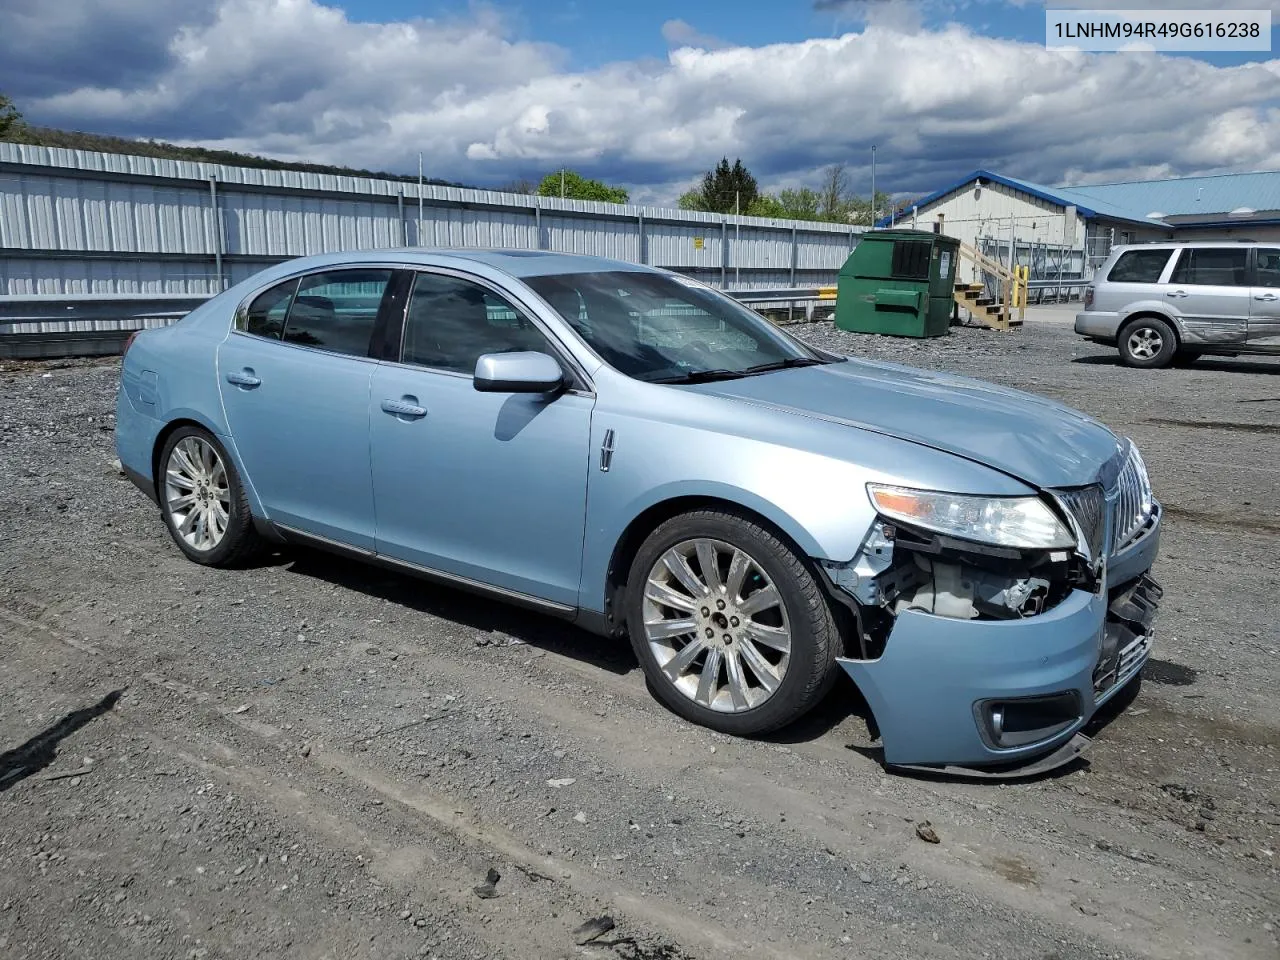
(316, 759)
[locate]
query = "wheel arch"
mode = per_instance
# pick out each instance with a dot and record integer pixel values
(189, 418)
(1147, 313)
(655, 514)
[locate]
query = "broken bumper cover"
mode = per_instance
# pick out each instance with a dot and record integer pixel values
(1009, 695)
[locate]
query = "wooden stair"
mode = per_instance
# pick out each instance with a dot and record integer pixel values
(996, 312)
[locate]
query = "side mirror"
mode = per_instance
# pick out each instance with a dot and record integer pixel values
(523, 372)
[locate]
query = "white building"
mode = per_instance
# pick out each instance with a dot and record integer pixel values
(1072, 229)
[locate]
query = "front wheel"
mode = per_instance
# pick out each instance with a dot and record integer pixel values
(731, 628)
(202, 500)
(1147, 342)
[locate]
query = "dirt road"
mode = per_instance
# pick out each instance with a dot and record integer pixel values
(316, 759)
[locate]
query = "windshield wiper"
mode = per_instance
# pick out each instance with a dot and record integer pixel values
(784, 364)
(702, 376)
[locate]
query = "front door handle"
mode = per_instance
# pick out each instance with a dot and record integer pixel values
(1268, 297)
(405, 407)
(243, 378)
(1177, 294)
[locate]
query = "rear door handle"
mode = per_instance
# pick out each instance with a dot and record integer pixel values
(1177, 294)
(404, 408)
(243, 378)
(1267, 297)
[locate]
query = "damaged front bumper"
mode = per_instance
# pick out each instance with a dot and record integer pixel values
(1009, 697)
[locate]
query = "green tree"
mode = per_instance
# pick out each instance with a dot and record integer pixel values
(724, 189)
(860, 209)
(10, 118)
(571, 184)
(801, 204)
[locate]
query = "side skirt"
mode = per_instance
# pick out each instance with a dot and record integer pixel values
(514, 597)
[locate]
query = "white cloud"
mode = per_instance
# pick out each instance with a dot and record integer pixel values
(678, 33)
(294, 79)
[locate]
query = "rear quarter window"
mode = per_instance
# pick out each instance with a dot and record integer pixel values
(1139, 266)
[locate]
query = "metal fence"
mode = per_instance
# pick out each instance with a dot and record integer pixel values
(74, 222)
(1057, 272)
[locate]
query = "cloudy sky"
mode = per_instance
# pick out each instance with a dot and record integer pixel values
(643, 92)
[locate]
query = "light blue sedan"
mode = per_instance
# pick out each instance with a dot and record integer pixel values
(633, 451)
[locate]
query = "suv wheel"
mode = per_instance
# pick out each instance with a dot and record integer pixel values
(1147, 342)
(731, 628)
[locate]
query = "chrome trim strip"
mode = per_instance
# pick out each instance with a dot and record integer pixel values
(448, 579)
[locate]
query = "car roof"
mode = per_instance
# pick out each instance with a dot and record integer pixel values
(516, 263)
(1155, 244)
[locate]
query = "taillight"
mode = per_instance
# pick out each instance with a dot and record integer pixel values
(1088, 297)
(129, 342)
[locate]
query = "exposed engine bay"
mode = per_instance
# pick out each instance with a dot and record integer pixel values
(902, 568)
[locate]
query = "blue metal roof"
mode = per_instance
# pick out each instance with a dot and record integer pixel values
(1189, 196)
(1132, 201)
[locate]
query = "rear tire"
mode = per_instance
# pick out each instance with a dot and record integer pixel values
(203, 501)
(760, 622)
(1147, 342)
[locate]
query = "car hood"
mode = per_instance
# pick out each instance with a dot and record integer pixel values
(1032, 438)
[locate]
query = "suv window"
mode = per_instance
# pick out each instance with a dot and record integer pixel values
(452, 322)
(265, 316)
(1213, 266)
(1139, 266)
(336, 310)
(1269, 267)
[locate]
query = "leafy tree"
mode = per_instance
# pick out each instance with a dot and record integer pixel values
(578, 187)
(767, 205)
(724, 189)
(10, 118)
(860, 208)
(801, 204)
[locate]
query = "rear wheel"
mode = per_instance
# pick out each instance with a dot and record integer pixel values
(1147, 342)
(729, 625)
(202, 500)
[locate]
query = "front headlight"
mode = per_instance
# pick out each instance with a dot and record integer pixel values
(1026, 522)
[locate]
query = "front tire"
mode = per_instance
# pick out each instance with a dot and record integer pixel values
(730, 626)
(1147, 342)
(203, 502)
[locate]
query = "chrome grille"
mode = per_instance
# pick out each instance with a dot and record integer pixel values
(1132, 499)
(1088, 508)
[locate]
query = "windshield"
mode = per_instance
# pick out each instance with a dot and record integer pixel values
(666, 329)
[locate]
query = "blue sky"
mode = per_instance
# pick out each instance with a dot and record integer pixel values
(646, 94)
(597, 32)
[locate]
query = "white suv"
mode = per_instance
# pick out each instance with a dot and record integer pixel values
(1164, 303)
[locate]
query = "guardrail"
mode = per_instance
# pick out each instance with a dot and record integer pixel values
(47, 326)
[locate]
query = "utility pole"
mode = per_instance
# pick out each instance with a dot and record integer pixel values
(737, 236)
(873, 186)
(419, 237)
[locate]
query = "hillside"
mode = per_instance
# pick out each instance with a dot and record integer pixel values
(77, 140)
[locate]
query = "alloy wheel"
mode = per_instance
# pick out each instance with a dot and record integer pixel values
(716, 625)
(1145, 343)
(197, 493)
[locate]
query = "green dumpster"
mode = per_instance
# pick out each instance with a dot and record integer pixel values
(899, 282)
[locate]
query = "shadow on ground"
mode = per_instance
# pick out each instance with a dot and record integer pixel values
(492, 619)
(41, 750)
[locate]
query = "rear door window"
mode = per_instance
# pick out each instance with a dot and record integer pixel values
(1213, 267)
(1139, 266)
(1269, 267)
(336, 310)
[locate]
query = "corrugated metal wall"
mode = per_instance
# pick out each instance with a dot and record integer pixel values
(78, 222)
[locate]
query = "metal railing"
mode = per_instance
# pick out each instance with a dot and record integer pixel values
(47, 326)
